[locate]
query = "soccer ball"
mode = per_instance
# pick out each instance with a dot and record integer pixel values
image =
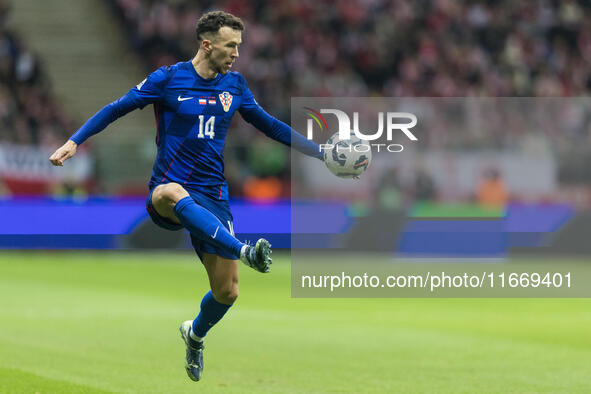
(347, 158)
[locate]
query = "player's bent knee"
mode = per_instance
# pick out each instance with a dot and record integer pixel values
(174, 192)
(168, 194)
(226, 295)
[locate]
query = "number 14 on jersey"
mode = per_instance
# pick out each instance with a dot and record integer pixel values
(207, 128)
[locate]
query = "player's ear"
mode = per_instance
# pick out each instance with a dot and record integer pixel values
(206, 45)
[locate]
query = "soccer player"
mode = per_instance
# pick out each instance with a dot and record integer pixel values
(194, 102)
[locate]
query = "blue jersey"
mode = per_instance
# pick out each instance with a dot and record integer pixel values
(192, 119)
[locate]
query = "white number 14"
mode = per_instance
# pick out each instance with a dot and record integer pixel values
(209, 125)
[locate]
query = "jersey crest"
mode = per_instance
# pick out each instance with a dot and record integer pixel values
(226, 100)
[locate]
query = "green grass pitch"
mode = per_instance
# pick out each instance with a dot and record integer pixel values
(90, 322)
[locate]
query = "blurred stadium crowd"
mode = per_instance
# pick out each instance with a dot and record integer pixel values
(29, 112)
(433, 48)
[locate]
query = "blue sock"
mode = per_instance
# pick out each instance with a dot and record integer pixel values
(211, 313)
(199, 221)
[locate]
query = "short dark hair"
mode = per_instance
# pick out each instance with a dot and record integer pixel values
(214, 20)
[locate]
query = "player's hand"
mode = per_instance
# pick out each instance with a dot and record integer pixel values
(66, 151)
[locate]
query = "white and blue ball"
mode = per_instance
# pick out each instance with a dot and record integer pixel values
(347, 158)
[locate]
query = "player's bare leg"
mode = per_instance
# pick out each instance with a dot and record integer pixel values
(223, 280)
(165, 197)
(223, 277)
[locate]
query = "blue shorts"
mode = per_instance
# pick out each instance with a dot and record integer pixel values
(220, 208)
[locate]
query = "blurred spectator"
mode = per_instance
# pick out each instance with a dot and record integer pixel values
(389, 194)
(262, 189)
(424, 188)
(491, 192)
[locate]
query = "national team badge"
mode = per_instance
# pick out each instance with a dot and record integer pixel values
(226, 100)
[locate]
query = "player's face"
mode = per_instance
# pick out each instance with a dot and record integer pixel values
(224, 50)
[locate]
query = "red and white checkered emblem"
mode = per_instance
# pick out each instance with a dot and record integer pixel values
(226, 100)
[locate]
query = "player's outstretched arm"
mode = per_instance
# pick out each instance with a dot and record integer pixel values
(254, 114)
(63, 153)
(147, 92)
(281, 132)
(95, 124)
